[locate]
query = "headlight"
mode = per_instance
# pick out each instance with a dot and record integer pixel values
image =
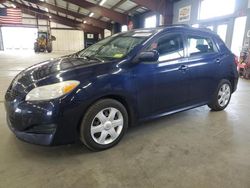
(52, 91)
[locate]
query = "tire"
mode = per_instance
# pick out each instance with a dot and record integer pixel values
(104, 125)
(222, 96)
(49, 49)
(36, 47)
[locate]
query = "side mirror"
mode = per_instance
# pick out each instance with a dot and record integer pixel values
(149, 56)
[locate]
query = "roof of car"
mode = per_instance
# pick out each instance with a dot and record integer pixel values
(146, 32)
(176, 26)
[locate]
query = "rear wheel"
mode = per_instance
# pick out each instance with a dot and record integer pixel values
(104, 124)
(222, 96)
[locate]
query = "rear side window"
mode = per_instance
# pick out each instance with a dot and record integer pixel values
(200, 45)
(170, 47)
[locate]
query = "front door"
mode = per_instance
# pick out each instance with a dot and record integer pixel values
(163, 86)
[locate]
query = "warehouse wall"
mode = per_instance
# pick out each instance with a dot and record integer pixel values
(240, 10)
(67, 40)
(32, 21)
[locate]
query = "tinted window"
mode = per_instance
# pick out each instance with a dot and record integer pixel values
(170, 47)
(200, 45)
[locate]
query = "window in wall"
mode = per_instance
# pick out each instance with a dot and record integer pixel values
(169, 47)
(150, 22)
(107, 33)
(199, 45)
(216, 8)
(222, 31)
(238, 35)
(210, 27)
(124, 28)
(161, 20)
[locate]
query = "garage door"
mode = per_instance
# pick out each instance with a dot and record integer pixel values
(19, 38)
(67, 40)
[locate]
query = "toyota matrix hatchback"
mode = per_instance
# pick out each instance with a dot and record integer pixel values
(95, 94)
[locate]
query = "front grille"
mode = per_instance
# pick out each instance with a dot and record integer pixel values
(13, 94)
(25, 81)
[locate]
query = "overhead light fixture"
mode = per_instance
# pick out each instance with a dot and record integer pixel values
(42, 0)
(50, 16)
(84, 21)
(14, 6)
(46, 9)
(102, 2)
(91, 14)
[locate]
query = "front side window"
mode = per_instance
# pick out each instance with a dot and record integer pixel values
(169, 47)
(200, 45)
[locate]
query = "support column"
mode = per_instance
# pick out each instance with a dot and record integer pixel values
(169, 13)
(1, 40)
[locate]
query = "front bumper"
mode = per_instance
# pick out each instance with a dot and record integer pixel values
(34, 138)
(44, 123)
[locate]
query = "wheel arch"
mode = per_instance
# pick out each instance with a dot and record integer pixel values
(130, 110)
(233, 81)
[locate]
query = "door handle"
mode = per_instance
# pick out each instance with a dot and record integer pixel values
(218, 61)
(183, 67)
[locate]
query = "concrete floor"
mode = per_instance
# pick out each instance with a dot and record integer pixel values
(196, 148)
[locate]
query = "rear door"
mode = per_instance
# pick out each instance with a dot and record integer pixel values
(204, 63)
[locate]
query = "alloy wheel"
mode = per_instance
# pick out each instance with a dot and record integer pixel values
(224, 95)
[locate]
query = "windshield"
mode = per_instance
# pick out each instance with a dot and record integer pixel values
(115, 47)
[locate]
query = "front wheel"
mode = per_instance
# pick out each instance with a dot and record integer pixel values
(222, 96)
(104, 124)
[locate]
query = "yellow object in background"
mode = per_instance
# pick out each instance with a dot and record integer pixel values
(118, 55)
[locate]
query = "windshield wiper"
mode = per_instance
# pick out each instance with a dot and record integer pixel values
(75, 55)
(92, 58)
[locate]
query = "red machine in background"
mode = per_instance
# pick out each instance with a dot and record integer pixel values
(244, 64)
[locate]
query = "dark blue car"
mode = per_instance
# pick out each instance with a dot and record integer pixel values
(96, 94)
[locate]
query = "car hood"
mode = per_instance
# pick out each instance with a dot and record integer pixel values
(50, 70)
(53, 66)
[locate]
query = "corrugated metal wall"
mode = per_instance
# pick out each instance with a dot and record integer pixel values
(67, 40)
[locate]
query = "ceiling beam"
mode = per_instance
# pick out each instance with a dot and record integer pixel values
(93, 21)
(95, 8)
(61, 20)
(42, 16)
(118, 4)
(156, 5)
(132, 10)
